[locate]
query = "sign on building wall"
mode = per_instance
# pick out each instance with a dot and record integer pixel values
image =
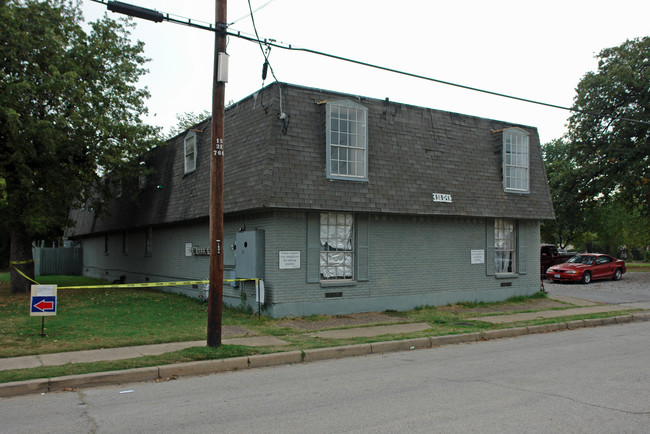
(478, 256)
(289, 260)
(188, 249)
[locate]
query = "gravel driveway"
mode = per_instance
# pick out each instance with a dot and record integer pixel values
(633, 288)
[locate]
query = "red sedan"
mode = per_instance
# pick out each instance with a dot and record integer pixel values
(586, 267)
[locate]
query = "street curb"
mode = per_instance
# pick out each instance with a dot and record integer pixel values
(16, 388)
(337, 352)
(202, 367)
(205, 367)
(103, 378)
(264, 360)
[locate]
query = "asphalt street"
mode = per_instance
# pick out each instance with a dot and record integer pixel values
(587, 380)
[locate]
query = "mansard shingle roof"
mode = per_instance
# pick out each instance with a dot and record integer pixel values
(278, 163)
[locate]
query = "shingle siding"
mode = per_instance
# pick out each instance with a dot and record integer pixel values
(274, 163)
(415, 251)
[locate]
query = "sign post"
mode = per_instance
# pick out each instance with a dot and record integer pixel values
(43, 303)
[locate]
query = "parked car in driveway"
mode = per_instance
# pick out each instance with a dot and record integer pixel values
(550, 255)
(586, 267)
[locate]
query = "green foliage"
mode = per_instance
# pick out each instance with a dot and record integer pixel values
(562, 174)
(187, 120)
(70, 113)
(613, 156)
(599, 174)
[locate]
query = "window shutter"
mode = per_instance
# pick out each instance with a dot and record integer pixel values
(313, 247)
(521, 248)
(489, 247)
(362, 249)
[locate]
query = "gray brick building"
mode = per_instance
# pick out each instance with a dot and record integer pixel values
(340, 203)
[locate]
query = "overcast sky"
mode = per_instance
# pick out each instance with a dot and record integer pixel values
(534, 50)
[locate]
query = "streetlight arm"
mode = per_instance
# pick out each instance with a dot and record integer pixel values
(135, 11)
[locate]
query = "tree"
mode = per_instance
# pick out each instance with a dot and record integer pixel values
(605, 223)
(187, 120)
(562, 174)
(613, 155)
(69, 115)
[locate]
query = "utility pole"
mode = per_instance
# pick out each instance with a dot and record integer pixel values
(220, 77)
(215, 294)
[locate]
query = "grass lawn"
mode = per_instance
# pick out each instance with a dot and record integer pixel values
(638, 266)
(102, 318)
(106, 318)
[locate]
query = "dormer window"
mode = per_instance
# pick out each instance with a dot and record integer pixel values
(515, 161)
(190, 152)
(347, 140)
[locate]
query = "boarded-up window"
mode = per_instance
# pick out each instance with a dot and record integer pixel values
(337, 252)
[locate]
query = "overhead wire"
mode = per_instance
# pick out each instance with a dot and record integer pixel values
(274, 43)
(257, 36)
(289, 47)
(251, 13)
(267, 64)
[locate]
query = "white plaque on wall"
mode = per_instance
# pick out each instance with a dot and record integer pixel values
(478, 256)
(289, 260)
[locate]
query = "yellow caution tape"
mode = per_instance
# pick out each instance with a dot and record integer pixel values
(129, 285)
(152, 284)
(21, 273)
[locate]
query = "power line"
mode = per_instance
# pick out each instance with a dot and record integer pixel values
(265, 54)
(251, 12)
(435, 80)
(289, 47)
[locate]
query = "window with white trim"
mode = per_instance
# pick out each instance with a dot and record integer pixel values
(505, 246)
(337, 246)
(190, 152)
(347, 140)
(515, 161)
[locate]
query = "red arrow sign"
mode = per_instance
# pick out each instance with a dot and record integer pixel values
(44, 305)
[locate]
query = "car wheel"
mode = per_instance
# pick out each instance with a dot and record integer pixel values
(586, 278)
(617, 274)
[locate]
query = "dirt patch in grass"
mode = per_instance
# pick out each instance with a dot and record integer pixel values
(321, 322)
(236, 331)
(528, 305)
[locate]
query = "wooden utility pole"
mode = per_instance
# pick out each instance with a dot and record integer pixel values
(215, 294)
(220, 77)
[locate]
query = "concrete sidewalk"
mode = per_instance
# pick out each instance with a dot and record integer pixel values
(528, 316)
(108, 354)
(158, 373)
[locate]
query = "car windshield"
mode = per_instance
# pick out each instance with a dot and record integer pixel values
(582, 259)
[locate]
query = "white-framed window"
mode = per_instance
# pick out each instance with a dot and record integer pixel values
(347, 140)
(190, 152)
(515, 161)
(505, 246)
(337, 246)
